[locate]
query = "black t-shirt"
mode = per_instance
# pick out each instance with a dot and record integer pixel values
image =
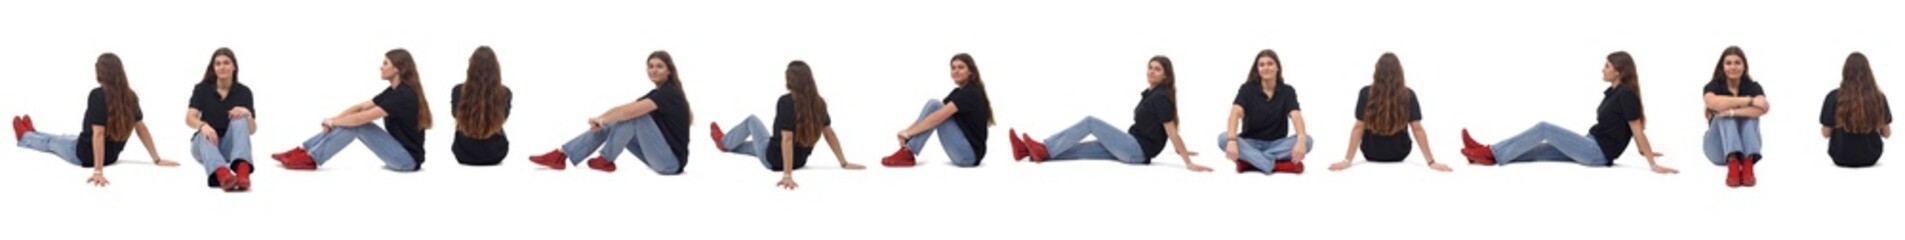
(784, 120)
(972, 117)
(1747, 89)
(672, 115)
(1266, 117)
(215, 111)
(1862, 146)
(1387, 148)
(1611, 130)
(472, 151)
(401, 119)
(1148, 120)
(96, 115)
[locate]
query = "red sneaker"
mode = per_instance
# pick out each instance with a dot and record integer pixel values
(901, 158)
(243, 179)
(1019, 153)
(1479, 155)
(1469, 142)
(552, 160)
(1746, 172)
(1036, 150)
(601, 164)
(296, 159)
(19, 131)
(1732, 171)
(1287, 166)
(1242, 166)
(714, 129)
(25, 126)
(225, 179)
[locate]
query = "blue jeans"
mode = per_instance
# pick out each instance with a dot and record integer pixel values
(1112, 143)
(1545, 141)
(234, 146)
(326, 145)
(58, 145)
(640, 136)
(951, 139)
(1732, 135)
(750, 137)
(1264, 154)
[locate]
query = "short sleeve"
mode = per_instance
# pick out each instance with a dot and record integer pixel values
(663, 98)
(784, 114)
(198, 97)
(1752, 89)
(1630, 106)
(1415, 107)
(1165, 109)
(242, 97)
(1826, 112)
(96, 108)
(1242, 92)
(396, 100)
(1290, 103)
(1362, 101)
(1713, 87)
(969, 100)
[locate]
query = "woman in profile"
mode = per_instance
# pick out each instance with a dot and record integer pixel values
(654, 128)
(399, 143)
(112, 116)
(961, 119)
(1857, 118)
(1154, 122)
(481, 105)
(800, 122)
(1618, 119)
(1383, 110)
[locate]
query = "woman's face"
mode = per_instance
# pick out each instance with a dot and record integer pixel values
(960, 72)
(1734, 66)
(389, 70)
(1267, 68)
(1155, 74)
(1609, 73)
(657, 70)
(224, 67)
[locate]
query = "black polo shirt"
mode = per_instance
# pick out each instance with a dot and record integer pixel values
(1155, 109)
(785, 116)
(1266, 117)
(1852, 149)
(1748, 88)
(1387, 148)
(1611, 131)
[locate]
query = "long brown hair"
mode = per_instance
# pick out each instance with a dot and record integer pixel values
(1860, 104)
(1719, 68)
(674, 76)
(481, 113)
(1386, 113)
(809, 107)
(1630, 75)
(1254, 77)
(407, 71)
(122, 105)
(1169, 84)
(211, 73)
(972, 80)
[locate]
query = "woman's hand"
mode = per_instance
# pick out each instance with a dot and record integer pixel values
(209, 133)
(1230, 152)
(240, 112)
(595, 124)
(1664, 170)
(165, 163)
(1339, 166)
(852, 166)
(787, 182)
(98, 179)
(1439, 167)
(328, 125)
(1197, 168)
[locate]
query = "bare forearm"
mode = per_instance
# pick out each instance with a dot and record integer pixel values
(1746, 112)
(99, 150)
(1355, 139)
(1177, 142)
(145, 137)
(1422, 141)
(833, 142)
(358, 118)
(931, 121)
(787, 156)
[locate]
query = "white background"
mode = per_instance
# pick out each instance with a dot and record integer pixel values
(1497, 67)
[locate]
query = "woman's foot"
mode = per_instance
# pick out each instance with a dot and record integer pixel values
(714, 129)
(296, 159)
(226, 181)
(1287, 166)
(242, 179)
(551, 160)
(1035, 149)
(601, 164)
(19, 132)
(1243, 166)
(22, 125)
(1019, 152)
(1746, 171)
(901, 158)
(1477, 153)
(1469, 142)
(1732, 171)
